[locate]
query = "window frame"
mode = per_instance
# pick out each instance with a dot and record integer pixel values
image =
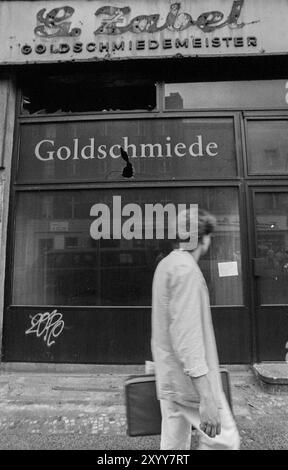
(233, 182)
(66, 115)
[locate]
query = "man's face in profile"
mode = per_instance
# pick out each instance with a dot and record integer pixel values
(205, 244)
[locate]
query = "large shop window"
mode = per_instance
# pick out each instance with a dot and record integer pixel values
(58, 261)
(267, 145)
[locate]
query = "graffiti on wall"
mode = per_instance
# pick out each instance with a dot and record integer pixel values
(48, 325)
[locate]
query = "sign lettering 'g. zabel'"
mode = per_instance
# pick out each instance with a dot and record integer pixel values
(115, 21)
(54, 23)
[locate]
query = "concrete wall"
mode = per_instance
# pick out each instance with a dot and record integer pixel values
(7, 121)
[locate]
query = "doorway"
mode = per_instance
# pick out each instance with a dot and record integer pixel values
(269, 206)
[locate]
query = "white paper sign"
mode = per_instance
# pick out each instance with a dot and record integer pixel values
(59, 242)
(228, 269)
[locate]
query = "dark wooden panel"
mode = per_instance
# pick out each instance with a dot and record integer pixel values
(118, 336)
(89, 336)
(233, 335)
(272, 333)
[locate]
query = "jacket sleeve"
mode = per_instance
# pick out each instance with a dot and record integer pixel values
(186, 328)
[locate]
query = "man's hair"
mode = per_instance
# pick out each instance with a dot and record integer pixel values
(206, 224)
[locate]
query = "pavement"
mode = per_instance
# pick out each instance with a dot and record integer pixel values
(85, 411)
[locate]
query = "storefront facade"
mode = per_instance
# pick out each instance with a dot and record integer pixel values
(196, 94)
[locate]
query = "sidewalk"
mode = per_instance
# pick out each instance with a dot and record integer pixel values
(56, 410)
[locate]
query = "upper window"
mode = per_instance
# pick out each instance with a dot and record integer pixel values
(66, 95)
(267, 144)
(223, 95)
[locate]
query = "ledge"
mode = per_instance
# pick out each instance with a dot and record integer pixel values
(62, 368)
(118, 369)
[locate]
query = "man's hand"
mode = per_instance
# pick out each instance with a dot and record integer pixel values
(209, 417)
(209, 414)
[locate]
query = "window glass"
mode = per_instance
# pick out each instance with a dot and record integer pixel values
(272, 246)
(59, 261)
(66, 95)
(165, 149)
(237, 94)
(267, 143)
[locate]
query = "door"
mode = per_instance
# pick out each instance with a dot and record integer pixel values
(270, 269)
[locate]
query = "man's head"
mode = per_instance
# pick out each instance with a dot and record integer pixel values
(198, 225)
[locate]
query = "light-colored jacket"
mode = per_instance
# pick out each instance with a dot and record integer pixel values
(183, 341)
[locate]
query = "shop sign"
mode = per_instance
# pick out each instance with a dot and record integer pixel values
(59, 226)
(162, 149)
(54, 31)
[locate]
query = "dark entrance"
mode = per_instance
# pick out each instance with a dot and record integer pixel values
(270, 216)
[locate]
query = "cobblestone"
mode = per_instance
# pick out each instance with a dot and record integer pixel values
(101, 424)
(79, 419)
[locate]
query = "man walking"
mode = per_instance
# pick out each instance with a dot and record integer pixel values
(184, 349)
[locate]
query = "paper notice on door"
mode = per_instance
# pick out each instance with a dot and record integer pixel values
(59, 242)
(228, 269)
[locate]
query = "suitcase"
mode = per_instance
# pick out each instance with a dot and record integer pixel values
(143, 412)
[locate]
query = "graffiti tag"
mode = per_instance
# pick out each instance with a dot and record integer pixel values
(49, 325)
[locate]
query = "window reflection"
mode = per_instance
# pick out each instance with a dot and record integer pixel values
(57, 262)
(237, 94)
(174, 100)
(267, 146)
(272, 246)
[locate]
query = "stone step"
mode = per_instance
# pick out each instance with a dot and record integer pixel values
(272, 376)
